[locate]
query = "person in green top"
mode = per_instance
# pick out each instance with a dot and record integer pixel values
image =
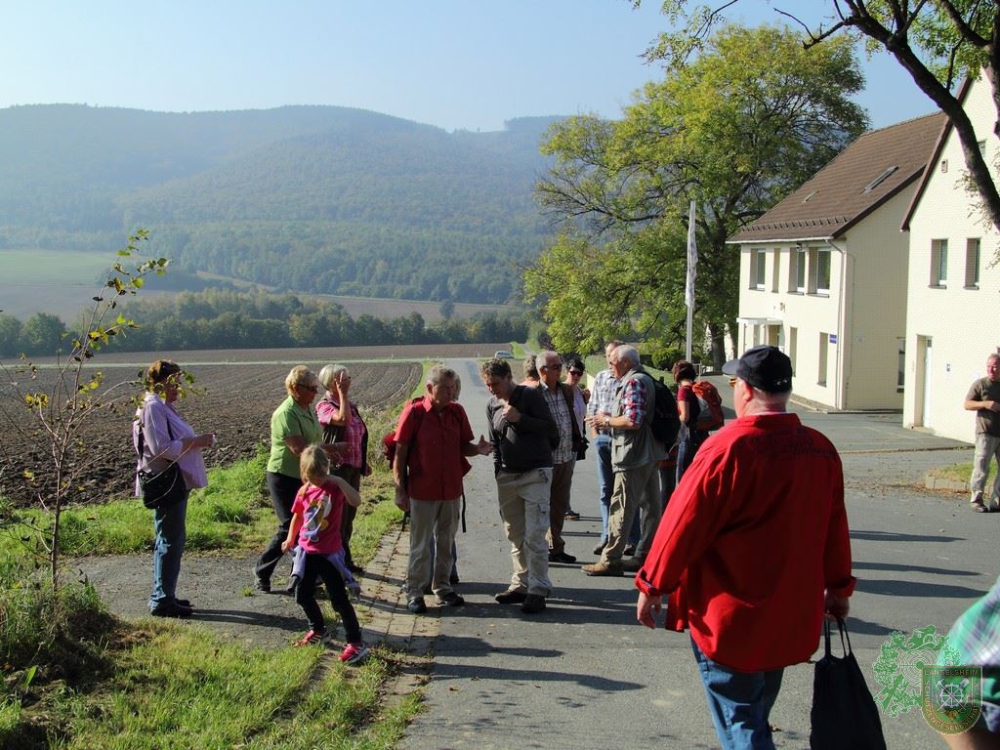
(294, 426)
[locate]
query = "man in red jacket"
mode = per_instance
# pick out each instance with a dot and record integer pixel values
(752, 550)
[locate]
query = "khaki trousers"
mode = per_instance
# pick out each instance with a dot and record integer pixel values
(524, 507)
(437, 519)
(635, 490)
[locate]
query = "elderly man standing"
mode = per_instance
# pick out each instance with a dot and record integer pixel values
(984, 399)
(523, 434)
(559, 398)
(602, 401)
(753, 548)
(635, 458)
(431, 439)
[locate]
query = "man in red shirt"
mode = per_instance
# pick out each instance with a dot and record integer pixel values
(753, 549)
(432, 438)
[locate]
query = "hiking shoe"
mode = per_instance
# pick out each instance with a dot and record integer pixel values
(572, 515)
(629, 550)
(533, 604)
(170, 609)
(603, 569)
(600, 547)
(633, 565)
(451, 599)
(263, 584)
(417, 605)
(354, 653)
(978, 506)
(511, 596)
(313, 636)
(561, 557)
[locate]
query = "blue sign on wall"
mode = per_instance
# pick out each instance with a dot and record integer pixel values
(833, 338)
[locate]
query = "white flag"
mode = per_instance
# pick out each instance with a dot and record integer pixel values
(692, 272)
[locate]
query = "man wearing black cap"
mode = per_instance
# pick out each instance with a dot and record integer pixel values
(752, 550)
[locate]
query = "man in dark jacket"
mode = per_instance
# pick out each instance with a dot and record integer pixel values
(523, 433)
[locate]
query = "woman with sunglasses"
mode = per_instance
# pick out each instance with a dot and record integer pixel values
(581, 395)
(294, 427)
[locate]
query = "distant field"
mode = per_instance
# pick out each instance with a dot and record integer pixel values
(33, 281)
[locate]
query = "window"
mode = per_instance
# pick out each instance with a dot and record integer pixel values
(939, 263)
(824, 342)
(758, 269)
(797, 270)
(944, 165)
(880, 179)
(972, 263)
(822, 272)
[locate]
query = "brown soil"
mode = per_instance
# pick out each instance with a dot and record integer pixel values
(235, 392)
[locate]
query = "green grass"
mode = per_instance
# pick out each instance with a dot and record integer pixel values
(51, 266)
(75, 677)
(963, 473)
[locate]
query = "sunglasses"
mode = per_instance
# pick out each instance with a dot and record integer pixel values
(578, 373)
(310, 388)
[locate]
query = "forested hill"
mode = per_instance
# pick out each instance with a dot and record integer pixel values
(311, 199)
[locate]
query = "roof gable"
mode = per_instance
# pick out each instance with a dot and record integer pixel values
(862, 177)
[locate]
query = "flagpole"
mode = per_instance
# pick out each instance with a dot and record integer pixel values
(692, 264)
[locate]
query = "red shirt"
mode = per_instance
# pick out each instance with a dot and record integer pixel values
(435, 463)
(752, 536)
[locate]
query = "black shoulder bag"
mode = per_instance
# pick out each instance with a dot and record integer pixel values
(163, 489)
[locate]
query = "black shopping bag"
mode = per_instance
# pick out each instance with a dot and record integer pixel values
(844, 714)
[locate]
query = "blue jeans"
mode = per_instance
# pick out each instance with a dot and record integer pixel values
(740, 703)
(169, 527)
(605, 484)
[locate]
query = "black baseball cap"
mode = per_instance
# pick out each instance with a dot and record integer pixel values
(764, 367)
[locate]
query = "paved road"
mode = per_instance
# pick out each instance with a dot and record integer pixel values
(586, 675)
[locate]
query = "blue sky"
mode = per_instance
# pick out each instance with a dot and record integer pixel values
(469, 64)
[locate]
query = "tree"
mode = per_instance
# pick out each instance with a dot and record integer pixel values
(735, 129)
(42, 333)
(937, 43)
(63, 398)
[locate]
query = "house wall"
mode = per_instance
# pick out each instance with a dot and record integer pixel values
(800, 318)
(862, 330)
(959, 322)
(876, 303)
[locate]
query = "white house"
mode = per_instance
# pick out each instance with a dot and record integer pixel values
(823, 273)
(953, 314)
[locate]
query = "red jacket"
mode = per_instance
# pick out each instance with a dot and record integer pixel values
(751, 538)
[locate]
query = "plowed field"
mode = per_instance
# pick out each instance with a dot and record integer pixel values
(235, 393)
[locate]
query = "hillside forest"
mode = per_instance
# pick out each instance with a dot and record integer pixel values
(308, 199)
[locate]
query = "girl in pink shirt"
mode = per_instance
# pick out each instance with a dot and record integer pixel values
(316, 514)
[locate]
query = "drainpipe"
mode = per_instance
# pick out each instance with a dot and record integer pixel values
(840, 397)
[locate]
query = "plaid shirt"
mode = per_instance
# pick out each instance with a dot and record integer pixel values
(633, 399)
(564, 421)
(352, 433)
(602, 395)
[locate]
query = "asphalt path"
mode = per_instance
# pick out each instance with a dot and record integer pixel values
(585, 674)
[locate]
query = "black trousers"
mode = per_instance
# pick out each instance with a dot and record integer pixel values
(317, 566)
(282, 489)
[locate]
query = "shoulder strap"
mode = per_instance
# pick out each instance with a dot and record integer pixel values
(566, 392)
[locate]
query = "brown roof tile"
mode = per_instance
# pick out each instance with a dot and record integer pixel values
(835, 198)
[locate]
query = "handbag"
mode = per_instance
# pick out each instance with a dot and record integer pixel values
(163, 489)
(160, 489)
(844, 714)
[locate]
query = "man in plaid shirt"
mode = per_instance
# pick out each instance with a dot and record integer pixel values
(635, 458)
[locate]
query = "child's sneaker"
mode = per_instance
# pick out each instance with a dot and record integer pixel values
(354, 653)
(313, 636)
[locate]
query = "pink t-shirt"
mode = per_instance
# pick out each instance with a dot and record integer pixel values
(321, 509)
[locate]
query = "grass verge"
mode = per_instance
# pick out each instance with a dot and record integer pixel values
(962, 473)
(76, 677)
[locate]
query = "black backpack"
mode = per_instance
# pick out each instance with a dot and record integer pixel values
(666, 425)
